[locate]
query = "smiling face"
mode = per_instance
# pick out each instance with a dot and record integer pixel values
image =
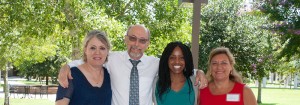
(220, 67)
(176, 61)
(137, 41)
(96, 52)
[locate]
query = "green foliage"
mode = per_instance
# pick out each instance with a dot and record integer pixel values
(285, 15)
(291, 67)
(225, 25)
(35, 31)
(47, 68)
(27, 25)
(53, 26)
(170, 23)
(166, 21)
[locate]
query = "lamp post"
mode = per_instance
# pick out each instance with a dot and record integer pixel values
(195, 27)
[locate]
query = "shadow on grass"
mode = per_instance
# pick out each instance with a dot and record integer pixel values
(268, 104)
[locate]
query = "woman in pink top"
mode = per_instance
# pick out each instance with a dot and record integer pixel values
(225, 84)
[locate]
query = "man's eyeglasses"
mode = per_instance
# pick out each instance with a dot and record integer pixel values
(134, 39)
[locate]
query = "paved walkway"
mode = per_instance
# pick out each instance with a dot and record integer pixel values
(14, 81)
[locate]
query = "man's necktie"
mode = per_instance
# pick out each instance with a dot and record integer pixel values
(134, 84)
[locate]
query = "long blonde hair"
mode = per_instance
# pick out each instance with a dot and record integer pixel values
(234, 75)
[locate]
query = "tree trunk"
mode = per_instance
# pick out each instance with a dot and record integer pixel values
(0, 75)
(6, 90)
(290, 82)
(70, 15)
(295, 80)
(259, 92)
(47, 79)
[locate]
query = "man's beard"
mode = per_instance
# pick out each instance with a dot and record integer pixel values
(135, 55)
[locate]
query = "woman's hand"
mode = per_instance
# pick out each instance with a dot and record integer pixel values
(202, 81)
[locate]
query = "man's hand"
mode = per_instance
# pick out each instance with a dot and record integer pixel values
(201, 80)
(64, 75)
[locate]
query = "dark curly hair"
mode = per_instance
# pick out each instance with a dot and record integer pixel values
(164, 80)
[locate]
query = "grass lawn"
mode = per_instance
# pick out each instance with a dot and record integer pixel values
(279, 96)
(17, 101)
(270, 96)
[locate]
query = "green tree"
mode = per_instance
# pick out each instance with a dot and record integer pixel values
(166, 21)
(285, 15)
(24, 25)
(33, 30)
(224, 25)
(44, 69)
(288, 68)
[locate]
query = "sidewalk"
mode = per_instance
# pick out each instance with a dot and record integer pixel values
(14, 81)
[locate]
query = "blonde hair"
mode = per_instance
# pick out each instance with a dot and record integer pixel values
(100, 36)
(234, 75)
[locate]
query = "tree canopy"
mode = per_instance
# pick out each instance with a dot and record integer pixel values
(285, 15)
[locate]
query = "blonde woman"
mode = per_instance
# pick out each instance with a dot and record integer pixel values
(91, 82)
(225, 85)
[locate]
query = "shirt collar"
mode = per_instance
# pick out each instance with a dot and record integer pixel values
(143, 58)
